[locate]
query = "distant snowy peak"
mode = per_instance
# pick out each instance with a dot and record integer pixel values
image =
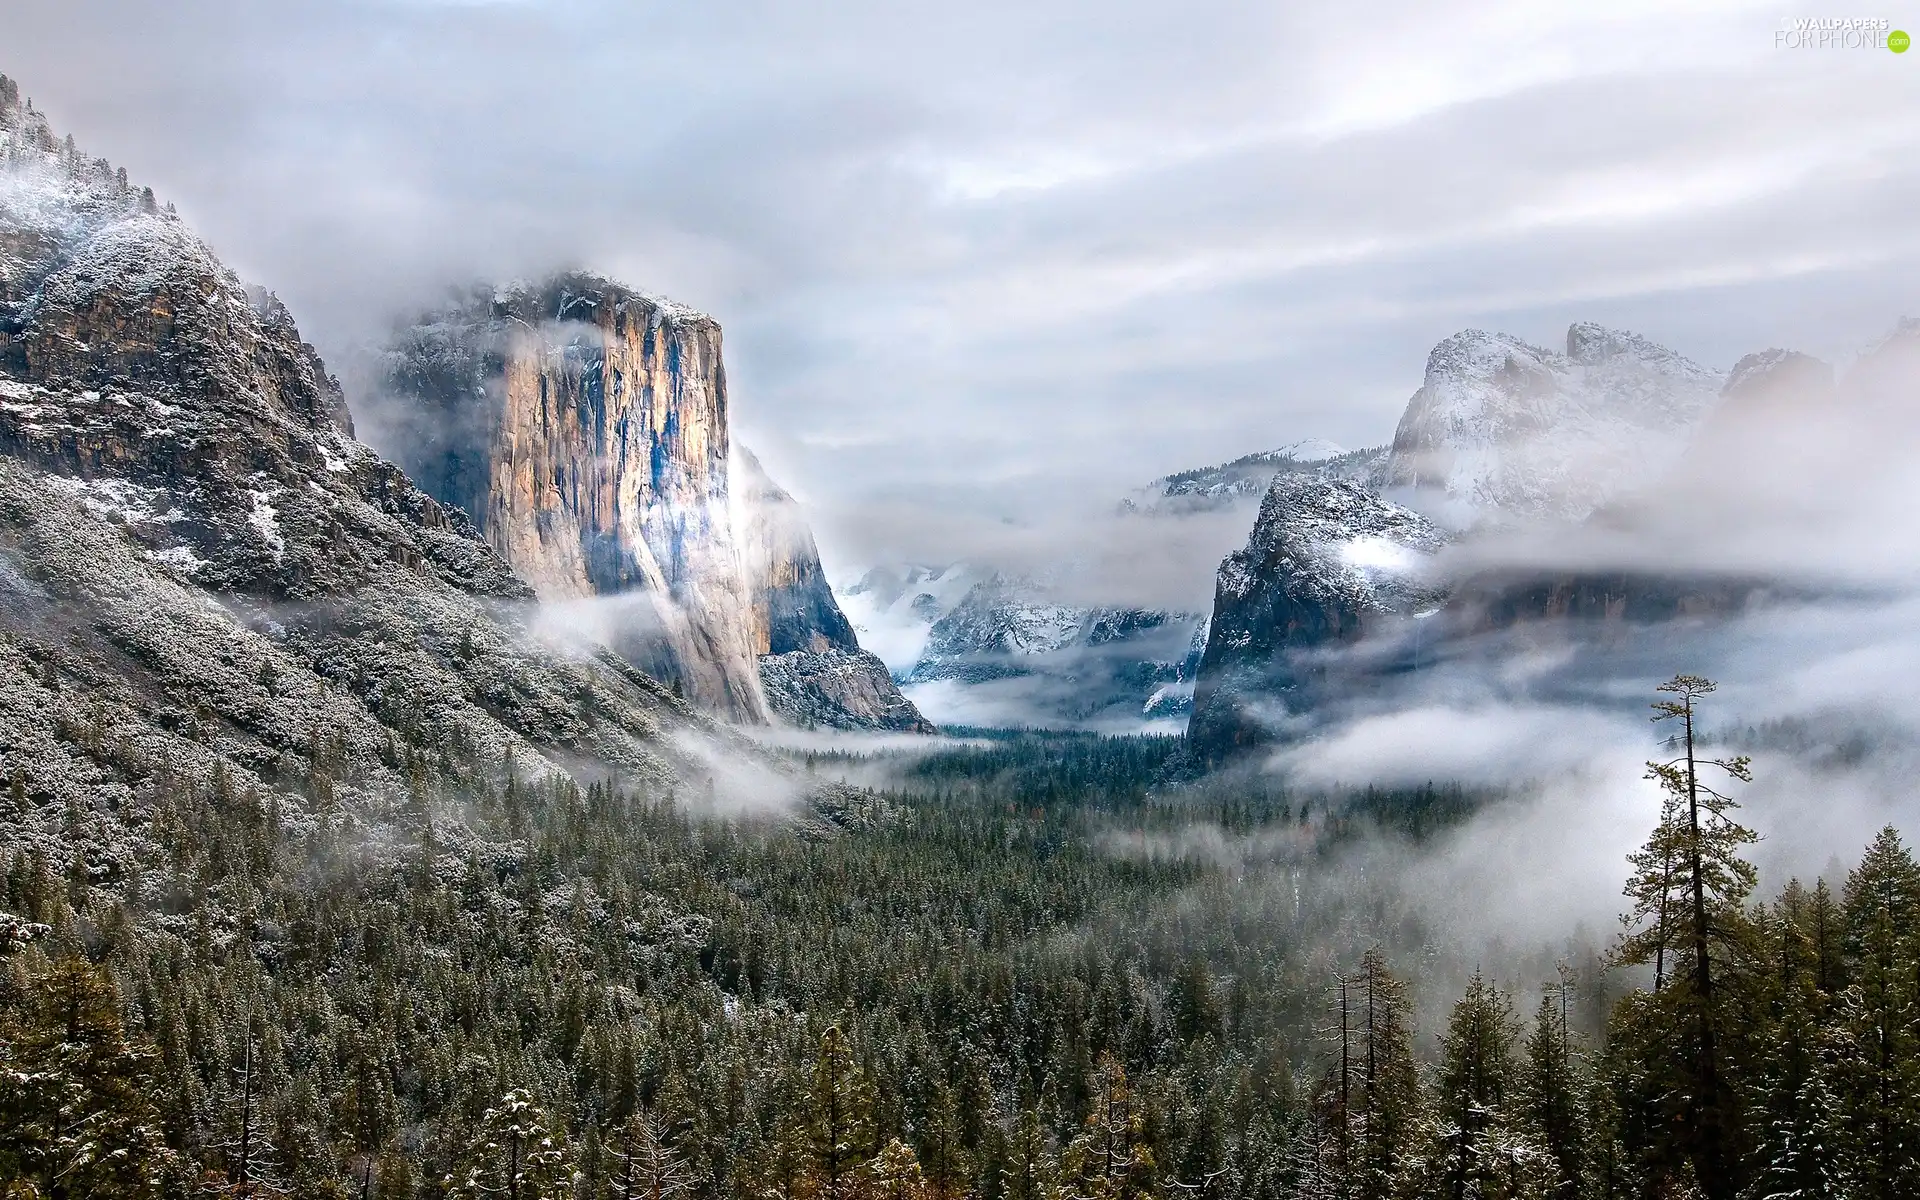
(1002, 615)
(1501, 428)
(1308, 450)
(1246, 479)
(894, 607)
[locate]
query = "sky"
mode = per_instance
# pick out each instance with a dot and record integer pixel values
(978, 261)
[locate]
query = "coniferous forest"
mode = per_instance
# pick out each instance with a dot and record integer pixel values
(998, 977)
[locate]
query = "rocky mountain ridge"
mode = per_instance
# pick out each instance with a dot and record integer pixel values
(1502, 430)
(1328, 563)
(206, 581)
(1618, 437)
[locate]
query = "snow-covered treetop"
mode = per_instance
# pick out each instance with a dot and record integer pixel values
(51, 191)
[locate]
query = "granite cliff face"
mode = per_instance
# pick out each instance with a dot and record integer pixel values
(583, 427)
(204, 578)
(1328, 563)
(812, 669)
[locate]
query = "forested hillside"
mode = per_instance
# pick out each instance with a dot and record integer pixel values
(1005, 976)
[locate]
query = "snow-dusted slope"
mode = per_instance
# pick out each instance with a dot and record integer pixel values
(1503, 429)
(1245, 480)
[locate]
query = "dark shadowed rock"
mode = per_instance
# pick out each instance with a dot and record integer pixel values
(1328, 562)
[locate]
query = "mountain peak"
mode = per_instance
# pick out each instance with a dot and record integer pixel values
(1501, 428)
(1589, 343)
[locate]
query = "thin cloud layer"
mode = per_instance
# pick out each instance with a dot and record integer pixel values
(965, 251)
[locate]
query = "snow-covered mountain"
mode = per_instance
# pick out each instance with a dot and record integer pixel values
(1245, 480)
(1501, 429)
(1009, 645)
(993, 648)
(958, 635)
(1339, 576)
(204, 570)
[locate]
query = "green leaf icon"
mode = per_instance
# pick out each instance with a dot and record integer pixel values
(1898, 41)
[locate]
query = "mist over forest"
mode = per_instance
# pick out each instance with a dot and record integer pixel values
(896, 602)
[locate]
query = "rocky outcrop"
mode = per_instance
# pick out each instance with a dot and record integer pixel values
(207, 583)
(1082, 663)
(583, 427)
(1328, 563)
(1503, 430)
(838, 689)
(812, 669)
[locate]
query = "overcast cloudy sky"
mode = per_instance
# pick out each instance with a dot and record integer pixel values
(970, 256)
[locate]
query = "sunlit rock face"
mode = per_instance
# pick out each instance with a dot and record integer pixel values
(583, 426)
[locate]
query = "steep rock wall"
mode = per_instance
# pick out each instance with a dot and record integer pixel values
(1327, 564)
(792, 605)
(584, 428)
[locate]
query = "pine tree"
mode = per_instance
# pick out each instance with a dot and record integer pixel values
(1795, 1145)
(895, 1174)
(1384, 1106)
(1880, 1020)
(842, 1103)
(1550, 1095)
(76, 1118)
(1029, 1170)
(515, 1154)
(1110, 1159)
(1469, 1111)
(1688, 889)
(787, 1171)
